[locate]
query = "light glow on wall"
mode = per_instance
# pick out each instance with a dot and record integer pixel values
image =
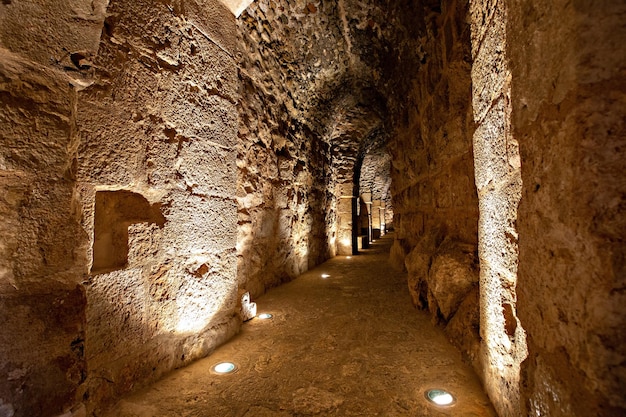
(190, 324)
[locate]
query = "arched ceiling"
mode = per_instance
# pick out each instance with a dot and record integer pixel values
(340, 65)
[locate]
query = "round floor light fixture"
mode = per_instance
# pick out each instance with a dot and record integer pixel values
(224, 368)
(325, 276)
(439, 397)
(265, 316)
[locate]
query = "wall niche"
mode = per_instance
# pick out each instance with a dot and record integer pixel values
(114, 212)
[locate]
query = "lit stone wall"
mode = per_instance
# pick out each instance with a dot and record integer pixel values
(118, 208)
(499, 182)
(376, 178)
(157, 174)
(292, 58)
(42, 246)
(435, 206)
(568, 100)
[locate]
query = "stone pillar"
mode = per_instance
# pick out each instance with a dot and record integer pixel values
(345, 206)
(366, 227)
(382, 213)
(498, 180)
(377, 221)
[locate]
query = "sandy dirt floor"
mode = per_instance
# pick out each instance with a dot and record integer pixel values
(350, 344)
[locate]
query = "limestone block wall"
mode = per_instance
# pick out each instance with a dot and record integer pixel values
(117, 211)
(568, 99)
(435, 206)
(42, 257)
(42, 304)
(290, 60)
(157, 175)
(499, 182)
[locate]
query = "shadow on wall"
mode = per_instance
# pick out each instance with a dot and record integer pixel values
(128, 345)
(114, 212)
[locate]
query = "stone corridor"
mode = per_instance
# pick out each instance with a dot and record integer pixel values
(161, 162)
(350, 344)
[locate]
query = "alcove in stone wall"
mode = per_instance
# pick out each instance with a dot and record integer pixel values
(114, 212)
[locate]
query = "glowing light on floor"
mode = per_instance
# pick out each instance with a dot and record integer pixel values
(439, 397)
(348, 257)
(265, 316)
(224, 368)
(325, 276)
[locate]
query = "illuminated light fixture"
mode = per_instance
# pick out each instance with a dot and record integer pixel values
(325, 276)
(224, 368)
(348, 257)
(439, 397)
(265, 316)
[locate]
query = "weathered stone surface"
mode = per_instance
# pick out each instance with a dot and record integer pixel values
(159, 159)
(43, 356)
(498, 181)
(464, 327)
(453, 273)
(568, 116)
(434, 197)
(71, 45)
(150, 123)
(160, 121)
(41, 258)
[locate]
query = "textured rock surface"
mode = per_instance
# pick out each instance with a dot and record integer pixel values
(157, 132)
(434, 197)
(452, 276)
(42, 308)
(282, 159)
(498, 181)
(568, 116)
(118, 160)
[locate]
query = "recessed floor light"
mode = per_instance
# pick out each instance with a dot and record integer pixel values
(348, 257)
(224, 368)
(439, 397)
(265, 316)
(325, 276)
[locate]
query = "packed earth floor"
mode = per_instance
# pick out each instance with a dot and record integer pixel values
(344, 340)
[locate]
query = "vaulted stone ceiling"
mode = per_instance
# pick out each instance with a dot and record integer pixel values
(343, 66)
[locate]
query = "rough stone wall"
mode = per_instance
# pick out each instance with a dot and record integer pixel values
(157, 175)
(434, 200)
(498, 180)
(118, 172)
(292, 58)
(568, 101)
(42, 257)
